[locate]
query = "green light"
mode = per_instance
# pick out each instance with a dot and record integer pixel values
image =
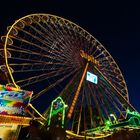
(135, 113)
(108, 122)
(57, 106)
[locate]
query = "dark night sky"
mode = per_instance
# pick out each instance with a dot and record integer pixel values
(116, 24)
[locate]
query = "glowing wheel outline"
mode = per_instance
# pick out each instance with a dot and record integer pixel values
(107, 69)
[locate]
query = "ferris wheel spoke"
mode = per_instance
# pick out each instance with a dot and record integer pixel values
(97, 104)
(103, 106)
(116, 107)
(108, 104)
(56, 41)
(39, 62)
(103, 99)
(75, 41)
(117, 84)
(106, 107)
(69, 41)
(60, 44)
(34, 57)
(64, 35)
(60, 38)
(46, 30)
(40, 46)
(114, 78)
(96, 53)
(36, 46)
(118, 104)
(36, 65)
(117, 93)
(106, 58)
(100, 101)
(113, 86)
(34, 39)
(53, 33)
(44, 36)
(52, 85)
(71, 85)
(89, 120)
(41, 77)
(28, 67)
(40, 37)
(100, 52)
(113, 99)
(90, 107)
(72, 35)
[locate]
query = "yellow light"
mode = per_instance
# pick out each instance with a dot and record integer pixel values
(88, 137)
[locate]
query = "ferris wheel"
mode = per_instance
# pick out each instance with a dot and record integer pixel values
(53, 56)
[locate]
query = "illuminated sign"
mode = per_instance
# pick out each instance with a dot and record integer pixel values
(88, 57)
(14, 102)
(92, 78)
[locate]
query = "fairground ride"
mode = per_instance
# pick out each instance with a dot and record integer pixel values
(76, 82)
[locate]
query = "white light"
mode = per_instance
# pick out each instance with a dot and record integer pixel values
(92, 78)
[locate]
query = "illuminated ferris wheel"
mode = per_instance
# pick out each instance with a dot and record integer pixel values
(54, 57)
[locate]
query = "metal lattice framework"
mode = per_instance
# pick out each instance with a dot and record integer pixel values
(51, 56)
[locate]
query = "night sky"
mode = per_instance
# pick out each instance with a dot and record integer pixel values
(116, 24)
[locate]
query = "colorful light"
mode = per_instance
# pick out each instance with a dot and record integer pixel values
(13, 101)
(57, 106)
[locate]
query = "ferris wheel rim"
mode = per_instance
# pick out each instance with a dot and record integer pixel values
(77, 72)
(51, 15)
